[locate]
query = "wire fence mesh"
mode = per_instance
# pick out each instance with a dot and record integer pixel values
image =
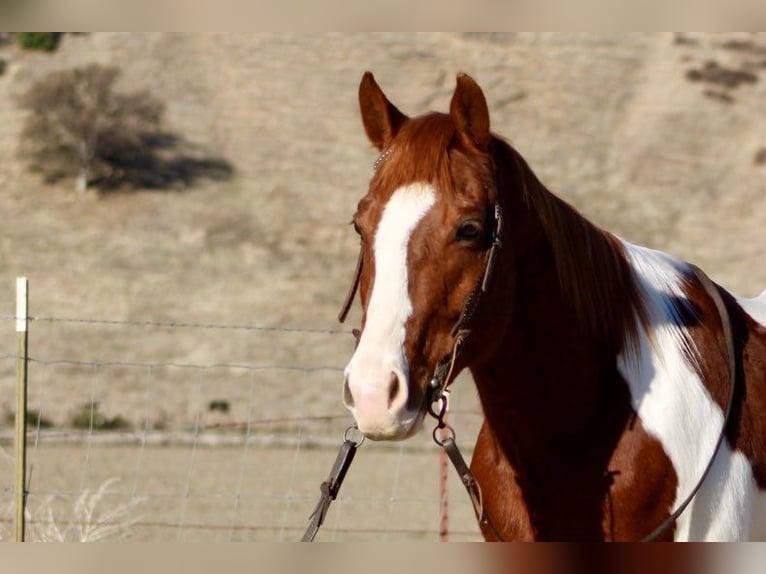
(135, 447)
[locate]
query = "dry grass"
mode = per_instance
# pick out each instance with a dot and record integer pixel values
(90, 520)
(260, 494)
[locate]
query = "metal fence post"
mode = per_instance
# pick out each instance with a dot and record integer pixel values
(22, 314)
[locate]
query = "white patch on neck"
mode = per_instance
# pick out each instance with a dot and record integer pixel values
(676, 408)
(381, 346)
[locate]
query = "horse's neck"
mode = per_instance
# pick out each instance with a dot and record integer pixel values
(547, 368)
(554, 373)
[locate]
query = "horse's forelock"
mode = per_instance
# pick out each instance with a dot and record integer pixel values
(420, 153)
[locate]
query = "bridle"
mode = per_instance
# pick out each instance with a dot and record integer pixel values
(438, 386)
(437, 393)
(436, 399)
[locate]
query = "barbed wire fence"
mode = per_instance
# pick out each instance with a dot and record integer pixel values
(178, 449)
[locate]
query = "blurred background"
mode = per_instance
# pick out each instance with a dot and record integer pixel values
(180, 204)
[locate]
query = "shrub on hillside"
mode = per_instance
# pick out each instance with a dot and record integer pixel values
(80, 126)
(89, 417)
(35, 419)
(45, 41)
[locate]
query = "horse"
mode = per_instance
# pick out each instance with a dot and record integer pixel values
(616, 381)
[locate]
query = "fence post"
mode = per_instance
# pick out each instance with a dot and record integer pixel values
(22, 315)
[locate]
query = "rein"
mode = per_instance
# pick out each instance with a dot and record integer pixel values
(438, 386)
(438, 390)
(715, 295)
(331, 486)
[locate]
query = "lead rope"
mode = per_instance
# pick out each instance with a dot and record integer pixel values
(329, 488)
(447, 442)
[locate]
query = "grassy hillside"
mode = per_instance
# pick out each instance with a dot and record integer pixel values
(641, 132)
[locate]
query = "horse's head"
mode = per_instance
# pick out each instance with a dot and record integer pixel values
(426, 226)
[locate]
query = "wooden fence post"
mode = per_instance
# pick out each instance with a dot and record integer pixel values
(22, 315)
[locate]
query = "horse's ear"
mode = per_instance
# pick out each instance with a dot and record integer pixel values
(470, 113)
(380, 117)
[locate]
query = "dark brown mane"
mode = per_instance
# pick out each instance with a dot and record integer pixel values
(593, 273)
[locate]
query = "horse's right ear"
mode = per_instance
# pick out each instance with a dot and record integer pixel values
(380, 117)
(469, 111)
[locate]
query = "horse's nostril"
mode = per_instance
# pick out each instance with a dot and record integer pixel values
(348, 399)
(393, 389)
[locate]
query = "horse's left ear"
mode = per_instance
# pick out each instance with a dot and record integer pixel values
(470, 113)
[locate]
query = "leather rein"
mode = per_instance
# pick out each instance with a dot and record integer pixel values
(436, 401)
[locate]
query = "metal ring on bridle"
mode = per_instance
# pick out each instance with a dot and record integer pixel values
(443, 401)
(449, 431)
(348, 432)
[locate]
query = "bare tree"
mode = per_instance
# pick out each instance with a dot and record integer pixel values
(77, 120)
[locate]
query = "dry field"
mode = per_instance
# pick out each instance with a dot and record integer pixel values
(229, 494)
(657, 137)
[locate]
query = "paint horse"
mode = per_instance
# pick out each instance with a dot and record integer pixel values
(602, 367)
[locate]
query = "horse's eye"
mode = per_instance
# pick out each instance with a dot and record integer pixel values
(469, 231)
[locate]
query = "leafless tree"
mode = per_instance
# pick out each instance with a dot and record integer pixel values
(77, 120)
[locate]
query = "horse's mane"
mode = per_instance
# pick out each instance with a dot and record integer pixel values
(593, 272)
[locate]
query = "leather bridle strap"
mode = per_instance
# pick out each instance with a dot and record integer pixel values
(443, 374)
(470, 483)
(712, 290)
(353, 288)
(329, 488)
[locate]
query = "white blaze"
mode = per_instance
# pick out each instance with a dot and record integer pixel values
(381, 347)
